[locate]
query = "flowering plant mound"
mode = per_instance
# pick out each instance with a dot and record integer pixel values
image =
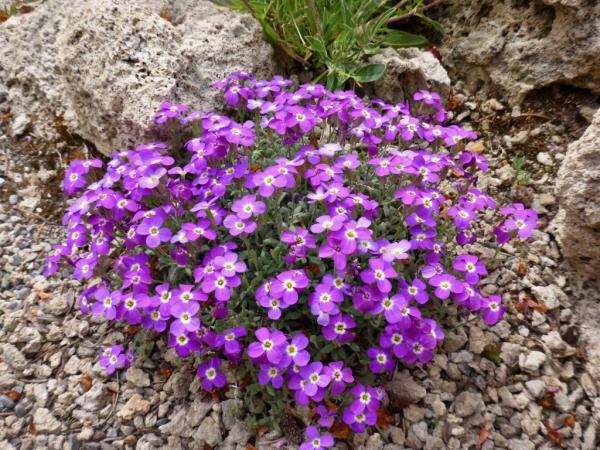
(311, 244)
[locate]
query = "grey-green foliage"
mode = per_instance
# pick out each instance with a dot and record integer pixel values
(336, 37)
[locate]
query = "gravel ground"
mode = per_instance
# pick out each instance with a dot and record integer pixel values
(521, 385)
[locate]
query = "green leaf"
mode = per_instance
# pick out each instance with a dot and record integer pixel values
(317, 45)
(368, 73)
(432, 23)
(492, 353)
(401, 39)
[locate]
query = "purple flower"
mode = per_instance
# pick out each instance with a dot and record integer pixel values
(185, 315)
(379, 273)
(339, 329)
(417, 352)
(270, 345)
(416, 290)
(84, 267)
(326, 416)
(248, 206)
(314, 377)
(365, 398)
(154, 232)
(231, 345)
(287, 284)
(169, 111)
(316, 441)
(229, 265)
(394, 338)
(300, 237)
(340, 376)
(462, 216)
(129, 309)
(238, 226)
(75, 178)
(193, 231)
(210, 375)
(324, 299)
(351, 233)
(151, 177)
(267, 181)
(471, 266)
(446, 284)
(381, 360)
(392, 251)
(295, 352)
(113, 358)
(359, 420)
(220, 285)
(184, 343)
(270, 374)
(429, 98)
(521, 220)
(493, 309)
(107, 303)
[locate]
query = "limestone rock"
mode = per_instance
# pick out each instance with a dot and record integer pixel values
(13, 357)
(101, 68)
(510, 48)
(403, 388)
(184, 421)
(45, 422)
(532, 362)
(135, 406)
(137, 377)
(208, 433)
(578, 191)
(407, 71)
(467, 403)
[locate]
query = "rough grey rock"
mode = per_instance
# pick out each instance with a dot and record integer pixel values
(532, 362)
(208, 433)
(467, 403)
(184, 421)
(408, 70)
(238, 434)
(536, 387)
(578, 191)
(405, 389)
(231, 410)
(13, 357)
(510, 48)
(521, 444)
(510, 352)
(103, 67)
(45, 422)
(135, 406)
(137, 377)
(551, 296)
(94, 399)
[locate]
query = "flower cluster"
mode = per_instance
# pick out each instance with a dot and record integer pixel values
(310, 246)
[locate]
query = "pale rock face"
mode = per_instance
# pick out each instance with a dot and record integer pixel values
(511, 48)
(407, 71)
(578, 191)
(102, 68)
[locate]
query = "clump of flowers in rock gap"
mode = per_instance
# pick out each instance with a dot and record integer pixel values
(302, 247)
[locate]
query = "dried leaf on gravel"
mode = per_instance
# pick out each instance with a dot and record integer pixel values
(86, 382)
(547, 402)
(553, 434)
(483, 435)
(340, 430)
(14, 395)
(384, 418)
